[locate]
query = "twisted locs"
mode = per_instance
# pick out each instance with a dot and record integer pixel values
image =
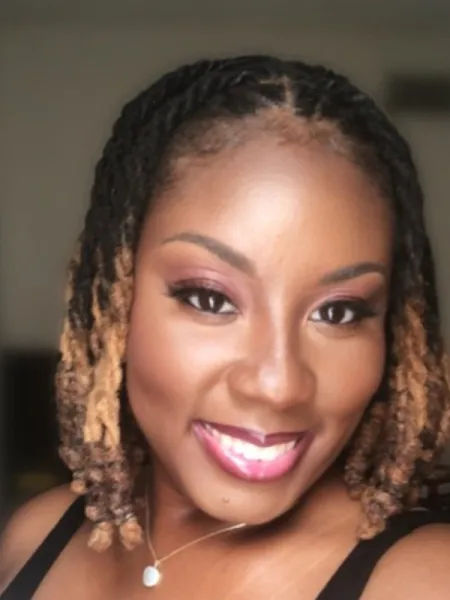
(405, 427)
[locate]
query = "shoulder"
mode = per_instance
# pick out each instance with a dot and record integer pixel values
(416, 568)
(28, 528)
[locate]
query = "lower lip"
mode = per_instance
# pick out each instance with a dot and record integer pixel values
(252, 470)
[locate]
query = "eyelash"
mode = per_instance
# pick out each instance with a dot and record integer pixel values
(184, 291)
(361, 309)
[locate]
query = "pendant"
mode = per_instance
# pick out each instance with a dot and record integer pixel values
(151, 576)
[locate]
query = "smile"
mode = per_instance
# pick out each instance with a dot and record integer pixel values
(252, 456)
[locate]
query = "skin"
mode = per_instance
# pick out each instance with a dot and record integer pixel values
(274, 365)
(295, 216)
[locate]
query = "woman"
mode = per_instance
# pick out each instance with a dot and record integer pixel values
(252, 386)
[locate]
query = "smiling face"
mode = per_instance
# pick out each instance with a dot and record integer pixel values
(256, 338)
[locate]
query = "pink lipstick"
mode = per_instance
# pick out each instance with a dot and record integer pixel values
(252, 455)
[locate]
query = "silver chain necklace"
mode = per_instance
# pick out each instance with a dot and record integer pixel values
(152, 574)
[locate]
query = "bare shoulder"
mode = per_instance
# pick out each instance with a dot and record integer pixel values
(28, 528)
(415, 568)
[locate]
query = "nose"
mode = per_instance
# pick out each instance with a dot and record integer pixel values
(273, 371)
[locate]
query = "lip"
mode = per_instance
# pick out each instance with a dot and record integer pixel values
(250, 469)
(257, 438)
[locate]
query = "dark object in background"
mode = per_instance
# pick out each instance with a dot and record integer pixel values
(30, 431)
(419, 94)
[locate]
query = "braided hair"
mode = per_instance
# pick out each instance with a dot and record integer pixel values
(406, 423)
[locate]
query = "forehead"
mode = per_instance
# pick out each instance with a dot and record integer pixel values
(278, 201)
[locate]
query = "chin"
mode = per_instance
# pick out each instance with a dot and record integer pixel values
(241, 502)
(252, 513)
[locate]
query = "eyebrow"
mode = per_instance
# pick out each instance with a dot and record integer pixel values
(239, 261)
(220, 249)
(353, 271)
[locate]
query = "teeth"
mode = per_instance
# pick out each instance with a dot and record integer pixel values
(247, 450)
(251, 452)
(225, 441)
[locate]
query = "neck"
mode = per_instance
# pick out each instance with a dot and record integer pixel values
(171, 506)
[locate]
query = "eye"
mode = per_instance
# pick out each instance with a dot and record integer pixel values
(342, 312)
(203, 299)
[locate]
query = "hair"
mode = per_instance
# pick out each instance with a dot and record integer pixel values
(405, 426)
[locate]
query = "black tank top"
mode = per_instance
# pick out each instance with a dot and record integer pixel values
(348, 582)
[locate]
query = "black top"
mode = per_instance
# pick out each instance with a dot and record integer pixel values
(348, 582)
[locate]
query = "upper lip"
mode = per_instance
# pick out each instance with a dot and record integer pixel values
(255, 437)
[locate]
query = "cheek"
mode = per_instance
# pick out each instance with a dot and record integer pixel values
(351, 373)
(172, 362)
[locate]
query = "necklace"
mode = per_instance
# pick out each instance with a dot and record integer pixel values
(152, 574)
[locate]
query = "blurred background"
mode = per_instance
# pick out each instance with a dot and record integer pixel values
(66, 68)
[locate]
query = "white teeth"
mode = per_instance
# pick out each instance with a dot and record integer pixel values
(247, 450)
(225, 440)
(251, 452)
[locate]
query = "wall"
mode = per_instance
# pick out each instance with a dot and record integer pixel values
(62, 86)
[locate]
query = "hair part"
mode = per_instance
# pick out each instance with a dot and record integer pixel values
(192, 113)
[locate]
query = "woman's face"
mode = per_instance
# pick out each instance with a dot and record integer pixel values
(257, 330)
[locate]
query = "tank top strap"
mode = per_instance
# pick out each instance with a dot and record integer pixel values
(352, 576)
(26, 582)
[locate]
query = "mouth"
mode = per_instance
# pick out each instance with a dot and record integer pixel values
(250, 455)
